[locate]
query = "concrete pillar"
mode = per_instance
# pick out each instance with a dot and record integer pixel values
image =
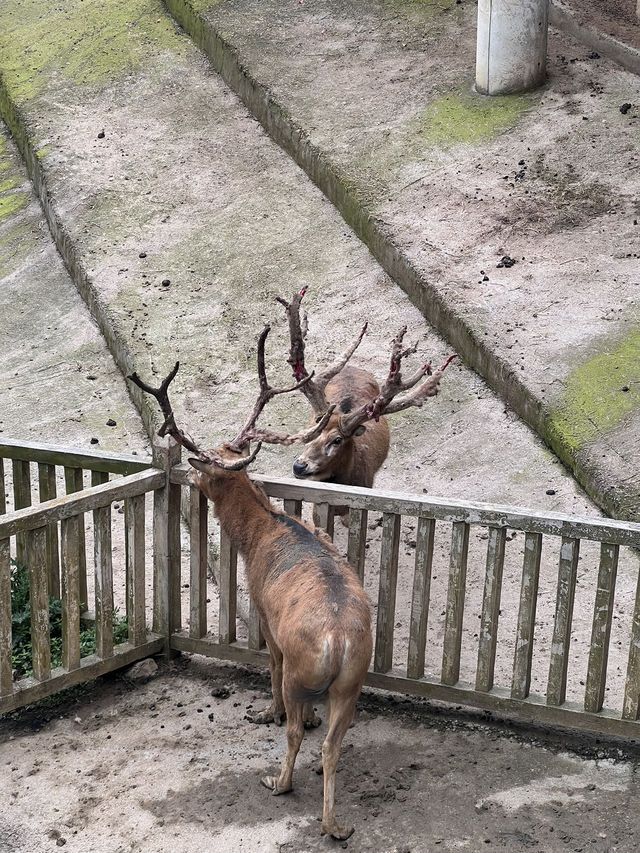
(512, 45)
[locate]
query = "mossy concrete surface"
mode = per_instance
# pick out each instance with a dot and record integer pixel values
(58, 381)
(376, 103)
(181, 221)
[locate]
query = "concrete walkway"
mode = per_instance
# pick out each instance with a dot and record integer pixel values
(442, 184)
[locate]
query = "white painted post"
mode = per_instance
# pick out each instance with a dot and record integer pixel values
(512, 45)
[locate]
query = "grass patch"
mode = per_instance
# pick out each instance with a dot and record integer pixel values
(21, 626)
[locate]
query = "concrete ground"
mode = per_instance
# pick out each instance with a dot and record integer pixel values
(377, 104)
(170, 767)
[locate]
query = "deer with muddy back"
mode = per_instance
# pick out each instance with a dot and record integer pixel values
(354, 443)
(314, 613)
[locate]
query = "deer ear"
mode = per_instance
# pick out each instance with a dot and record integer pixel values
(197, 463)
(361, 430)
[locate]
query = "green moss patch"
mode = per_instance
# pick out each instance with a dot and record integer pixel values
(467, 119)
(84, 41)
(11, 203)
(599, 394)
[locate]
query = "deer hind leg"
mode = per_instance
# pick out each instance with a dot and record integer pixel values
(275, 712)
(295, 732)
(342, 709)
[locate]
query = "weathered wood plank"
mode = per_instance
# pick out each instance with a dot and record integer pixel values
(80, 502)
(70, 594)
(134, 509)
(21, 500)
(228, 590)
(561, 642)
(256, 637)
(103, 581)
(99, 477)
(47, 492)
(74, 482)
(490, 609)
(28, 690)
(420, 598)
(293, 508)
(165, 506)
(198, 508)
(6, 670)
(51, 454)
(449, 510)
(36, 555)
(601, 631)
(324, 515)
(383, 657)
(356, 551)
(631, 702)
(3, 499)
(455, 603)
(523, 654)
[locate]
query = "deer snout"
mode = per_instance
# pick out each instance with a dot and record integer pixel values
(300, 468)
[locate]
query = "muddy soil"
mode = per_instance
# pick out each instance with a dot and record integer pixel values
(170, 767)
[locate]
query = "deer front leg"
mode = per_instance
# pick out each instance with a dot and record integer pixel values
(275, 712)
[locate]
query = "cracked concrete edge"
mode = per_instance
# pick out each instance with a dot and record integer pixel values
(612, 494)
(562, 18)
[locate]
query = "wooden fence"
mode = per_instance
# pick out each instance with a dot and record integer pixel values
(448, 582)
(47, 535)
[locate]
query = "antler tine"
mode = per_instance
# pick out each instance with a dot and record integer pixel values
(162, 396)
(247, 433)
(287, 439)
(387, 402)
(314, 390)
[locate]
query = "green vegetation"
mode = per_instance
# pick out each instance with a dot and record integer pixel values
(21, 626)
(466, 118)
(599, 394)
(84, 41)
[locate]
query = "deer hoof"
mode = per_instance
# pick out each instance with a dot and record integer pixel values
(339, 832)
(266, 716)
(271, 782)
(313, 722)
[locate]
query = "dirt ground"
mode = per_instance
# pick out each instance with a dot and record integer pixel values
(169, 767)
(617, 18)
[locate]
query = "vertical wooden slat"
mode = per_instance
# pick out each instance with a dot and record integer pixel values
(228, 589)
(99, 477)
(455, 603)
(490, 609)
(6, 669)
(420, 598)
(74, 483)
(47, 492)
(135, 575)
(324, 518)
(631, 703)
(103, 581)
(198, 563)
(21, 499)
(3, 499)
(70, 593)
(356, 551)
(601, 631)
(256, 638)
(293, 507)
(523, 655)
(36, 555)
(560, 644)
(166, 544)
(383, 658)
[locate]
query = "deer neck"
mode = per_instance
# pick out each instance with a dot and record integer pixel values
(244, 512)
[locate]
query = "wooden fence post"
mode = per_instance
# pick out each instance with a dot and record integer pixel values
(166, 545)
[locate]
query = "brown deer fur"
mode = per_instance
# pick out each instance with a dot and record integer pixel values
(352, 459)
(314, 613)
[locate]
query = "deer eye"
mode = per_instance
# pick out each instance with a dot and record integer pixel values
(337, 440)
